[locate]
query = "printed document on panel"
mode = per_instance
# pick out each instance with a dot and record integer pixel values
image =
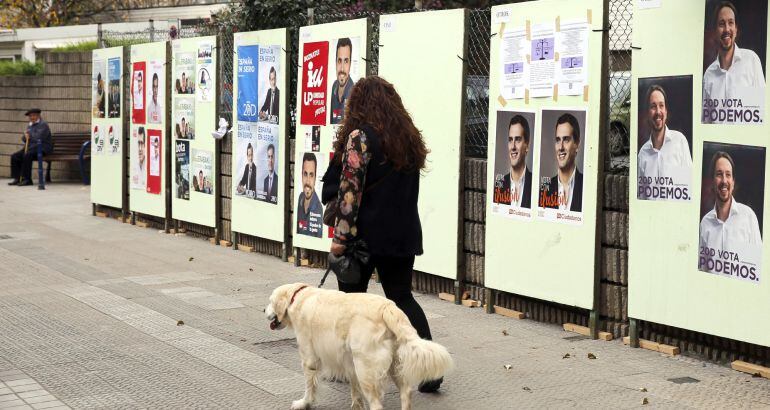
(572, 46)
(542, 60)
(514, 49)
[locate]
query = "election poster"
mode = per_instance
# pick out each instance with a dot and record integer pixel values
(560, 182)
(155, 151)
(113, 77)
(97, 146)
(205, 73)
(182, 180)
(315, 71)
(309, 211)
(248, 64)
(98, 92)
(267, 163)
(184, 118)
(155, 78)
(731, 211)
(664, 160)
(202, 164)
(734, 74)
(245, 178)
(184, 75)
(514, 161)
(313, 138)
(138, 158)
(137, 92)
(269, 93)
(113, 140)
(345, 61)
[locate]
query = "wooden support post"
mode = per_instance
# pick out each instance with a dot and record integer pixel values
(593, 324)
(133, 218)
(236, 238)
(489, 295)
(633, 332)
(459, 288)
(93, 209)
(284, 252)
(297, 256)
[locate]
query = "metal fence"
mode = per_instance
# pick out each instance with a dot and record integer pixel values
(477, 77)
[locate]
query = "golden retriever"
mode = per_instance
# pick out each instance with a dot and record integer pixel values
(359, 337)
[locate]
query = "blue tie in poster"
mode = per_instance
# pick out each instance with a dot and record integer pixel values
(248, 57)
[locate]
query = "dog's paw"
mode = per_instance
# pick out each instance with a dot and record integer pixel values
(300, 404)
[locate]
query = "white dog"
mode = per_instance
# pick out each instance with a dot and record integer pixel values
(360, 337)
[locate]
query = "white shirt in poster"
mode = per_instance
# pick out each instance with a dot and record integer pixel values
(516, 190)
(741, 227)
(155, 112)
(745, 71)
(674, 154)
(565, 199)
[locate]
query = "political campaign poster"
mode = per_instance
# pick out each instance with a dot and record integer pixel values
(155, 152)
(205, 73)
(114, 72)
(313, 138)
(315, 71)
(138, 92)
(155, 79)
(269, 94)
(98, 92)
(138, 158)
(182, 181)
(113, 140)
(184, 118)
(514, 161)
(97, 146)
(731, 211)
(202, 163)
(267, 162)
(247, 78)
(562, 142)
(734, 74)
(245, 180)
(309, 211)
(184, 74)
(664, 160)
(345, 62)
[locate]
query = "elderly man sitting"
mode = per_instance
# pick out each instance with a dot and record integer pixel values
(37, 134)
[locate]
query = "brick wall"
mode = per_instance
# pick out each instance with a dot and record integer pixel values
(63, 94)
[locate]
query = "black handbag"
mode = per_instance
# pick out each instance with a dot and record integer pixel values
(349, 265)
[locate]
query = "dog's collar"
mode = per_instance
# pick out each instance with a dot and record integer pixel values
(295, 294)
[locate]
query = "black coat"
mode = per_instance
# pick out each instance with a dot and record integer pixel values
(273, 192)
(249, 181)
(388, 219)
(527, 190)
(271, 109)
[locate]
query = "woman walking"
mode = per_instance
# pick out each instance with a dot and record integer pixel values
(375, 180)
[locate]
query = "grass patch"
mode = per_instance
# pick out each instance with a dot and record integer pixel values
(76, 47)
(20, 68)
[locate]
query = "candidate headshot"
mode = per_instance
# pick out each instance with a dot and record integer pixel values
(734, 72)
(114, 99)
(154, 106)
(565, 189)
(518, 181)
(665, 149)
(100, 98)
(309, 208)
(729, 225)
(269, 110)
(248, 183)
(343, 84)
(138, 99)
(270, 183)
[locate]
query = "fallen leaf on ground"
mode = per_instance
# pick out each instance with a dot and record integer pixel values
(566, 356)
(505, 332)
(191, 258)
(507, 367)
(180, 322)
(645, 401)
(591, 356)
(251, 270)
(526, 388)
(756, 375)
(243, 340)
(642, 389)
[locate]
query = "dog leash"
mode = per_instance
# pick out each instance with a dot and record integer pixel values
(323, 279)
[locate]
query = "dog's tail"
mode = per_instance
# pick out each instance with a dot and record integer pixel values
(418, 360)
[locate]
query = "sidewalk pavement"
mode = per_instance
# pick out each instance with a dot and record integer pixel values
(89, 311)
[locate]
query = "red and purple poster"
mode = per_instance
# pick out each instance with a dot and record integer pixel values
(155, 149)
(137, 92)
(315, 60)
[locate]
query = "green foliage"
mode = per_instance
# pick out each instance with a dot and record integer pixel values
(77, 47)
(20, 68)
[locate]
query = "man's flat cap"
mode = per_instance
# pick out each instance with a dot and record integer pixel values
(33, 111)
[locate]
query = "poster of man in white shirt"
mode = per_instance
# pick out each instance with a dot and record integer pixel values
(562, 146)
(514, 148)
(732, 204)
(733, 74)
(664, 161)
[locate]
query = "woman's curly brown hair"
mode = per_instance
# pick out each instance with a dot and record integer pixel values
(375, 102)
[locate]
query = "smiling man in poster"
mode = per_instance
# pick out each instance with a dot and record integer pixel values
(564, 191)
(734, 83)
(516, 186)
(664, 162)
(730, 239)
(343, 84)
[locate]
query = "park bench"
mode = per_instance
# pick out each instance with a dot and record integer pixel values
(67, 147)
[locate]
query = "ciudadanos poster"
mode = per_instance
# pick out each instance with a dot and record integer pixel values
(734, 62)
